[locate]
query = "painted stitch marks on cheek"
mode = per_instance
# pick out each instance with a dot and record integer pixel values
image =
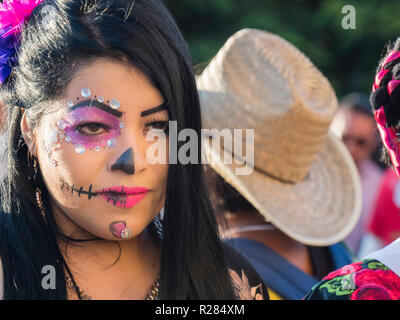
(115, 198)
(124, 197)
(80, 191)
(119, 230)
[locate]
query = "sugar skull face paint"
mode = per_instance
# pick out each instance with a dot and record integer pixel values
(89, 127)
(122, 196)
(90, 190)
(52, 143)
(119, 230)
(80, 191)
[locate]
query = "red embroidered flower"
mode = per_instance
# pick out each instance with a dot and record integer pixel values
(384, 284)
(351, 268)
(373, 292)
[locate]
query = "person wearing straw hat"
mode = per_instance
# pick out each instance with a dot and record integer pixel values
(303, 194)
(377, 276)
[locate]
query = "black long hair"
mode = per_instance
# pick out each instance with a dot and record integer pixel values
(53, 47)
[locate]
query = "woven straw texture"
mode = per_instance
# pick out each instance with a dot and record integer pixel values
(304, 180)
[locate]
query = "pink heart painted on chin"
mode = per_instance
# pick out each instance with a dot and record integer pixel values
(117, 227)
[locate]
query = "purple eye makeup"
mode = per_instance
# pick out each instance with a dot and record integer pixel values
(89, 127)
(91, 124)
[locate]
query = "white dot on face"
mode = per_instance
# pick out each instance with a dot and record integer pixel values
(85, 92)
(111, 143)
(125, 234)
(53, 137)
(61, 124)
(79, 149)
(100, 99)
(114, 103)
(97, 148)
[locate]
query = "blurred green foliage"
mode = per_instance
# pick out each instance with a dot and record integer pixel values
(347, 57)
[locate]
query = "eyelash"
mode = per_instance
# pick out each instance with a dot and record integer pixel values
(100, 125)
(164, 123)
(155, 121)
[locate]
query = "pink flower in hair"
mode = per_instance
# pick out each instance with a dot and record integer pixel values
(13, 14)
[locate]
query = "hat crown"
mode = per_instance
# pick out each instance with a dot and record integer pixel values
(260, 81)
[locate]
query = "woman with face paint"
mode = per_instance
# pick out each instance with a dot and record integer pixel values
(377, 276)
(85, 213)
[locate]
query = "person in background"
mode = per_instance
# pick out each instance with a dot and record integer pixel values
(288, 215)
(377, 276)
(355, 125)
(384, 225)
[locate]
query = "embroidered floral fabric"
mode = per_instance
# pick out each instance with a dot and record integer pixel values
(365, 280)
(242, 287)
(247, 283)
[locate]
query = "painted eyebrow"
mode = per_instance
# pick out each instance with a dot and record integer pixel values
(98, 105)
(154, 110)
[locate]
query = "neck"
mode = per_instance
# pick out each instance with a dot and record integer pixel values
(292, 250)
(108, 252)
(239, 219)
(110, 269)
(93, 246)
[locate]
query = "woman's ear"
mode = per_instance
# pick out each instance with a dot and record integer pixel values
(28, 134)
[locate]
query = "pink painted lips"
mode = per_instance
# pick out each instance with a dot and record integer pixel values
(122, 196)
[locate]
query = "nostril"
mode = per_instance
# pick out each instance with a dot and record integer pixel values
(125, 162)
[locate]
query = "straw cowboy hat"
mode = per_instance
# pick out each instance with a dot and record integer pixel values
(304, 180)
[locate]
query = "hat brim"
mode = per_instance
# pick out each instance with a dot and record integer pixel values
(320, 210)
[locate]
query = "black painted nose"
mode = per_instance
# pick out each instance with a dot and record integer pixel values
(125, 162)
